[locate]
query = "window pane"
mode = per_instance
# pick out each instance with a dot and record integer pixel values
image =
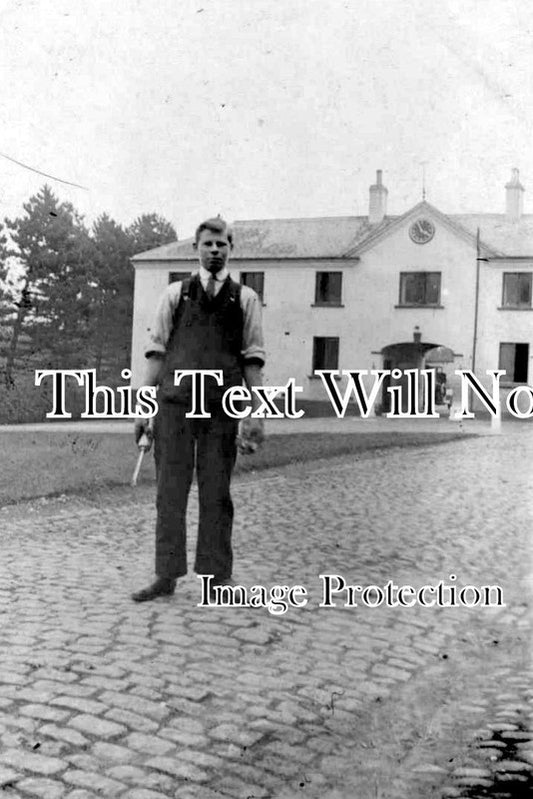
(507, 355)
(331, 355)
(325, 353)
(328, 288)
(255, 280)
(174, 276)
(335, 287)
(510, 289)
(517, 289)
(524, 294)
(321, 291)
(433, 288)
(420, 288)
(414, 289)
(514, 358)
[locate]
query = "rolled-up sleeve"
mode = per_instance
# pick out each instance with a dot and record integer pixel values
(162, 324)
(253, 348)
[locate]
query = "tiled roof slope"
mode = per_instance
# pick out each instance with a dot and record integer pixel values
(509, 238)
(323, 237)
(332, 237)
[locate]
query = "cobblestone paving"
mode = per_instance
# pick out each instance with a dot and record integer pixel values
(500, 763)
(103, 697)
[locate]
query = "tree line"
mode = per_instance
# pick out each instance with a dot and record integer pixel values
(66, 290)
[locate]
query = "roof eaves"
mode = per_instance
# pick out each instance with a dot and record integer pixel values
(344, 218)
(510, 258)
(150, 255)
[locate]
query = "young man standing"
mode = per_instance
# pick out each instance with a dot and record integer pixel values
(206, 322)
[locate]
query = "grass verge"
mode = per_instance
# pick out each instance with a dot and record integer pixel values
(48, 464)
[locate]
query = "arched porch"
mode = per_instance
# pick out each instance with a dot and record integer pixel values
(415, 354)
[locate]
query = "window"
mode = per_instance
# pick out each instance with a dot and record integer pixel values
(325, 353)
(420, 288)
(514, 359)
(517, 289)
(255, 280)
(328, 288)
(174, 276)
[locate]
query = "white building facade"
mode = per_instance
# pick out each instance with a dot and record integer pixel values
(375, 292)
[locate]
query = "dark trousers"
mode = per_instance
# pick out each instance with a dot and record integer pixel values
(177, 441)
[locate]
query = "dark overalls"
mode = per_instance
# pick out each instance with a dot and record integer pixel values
(206, 334)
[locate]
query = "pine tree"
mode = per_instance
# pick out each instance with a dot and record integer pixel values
(112, 295)
(6, 309)
(51, 246)
(71, 304)
(149, 231)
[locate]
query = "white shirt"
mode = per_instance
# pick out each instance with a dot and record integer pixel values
(219, 278)
(252, 334)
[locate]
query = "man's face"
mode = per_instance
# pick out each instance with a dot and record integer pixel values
(213, 250)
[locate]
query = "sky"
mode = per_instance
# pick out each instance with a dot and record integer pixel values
(264, 108)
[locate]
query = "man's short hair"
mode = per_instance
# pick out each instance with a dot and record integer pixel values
(215, 225)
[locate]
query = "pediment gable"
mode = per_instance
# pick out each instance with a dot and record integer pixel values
(422, 210)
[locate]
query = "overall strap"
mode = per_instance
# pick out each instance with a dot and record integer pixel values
(185, 288)
(188, 291)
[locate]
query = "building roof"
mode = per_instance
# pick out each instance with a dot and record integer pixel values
(342, 236)
(508, 238)
(323, 237)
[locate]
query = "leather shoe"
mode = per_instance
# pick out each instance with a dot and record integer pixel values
(163, 586)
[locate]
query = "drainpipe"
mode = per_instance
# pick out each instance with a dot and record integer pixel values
(496, 420)
(476, 303)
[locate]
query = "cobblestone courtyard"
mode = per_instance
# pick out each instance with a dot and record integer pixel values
(103, 697)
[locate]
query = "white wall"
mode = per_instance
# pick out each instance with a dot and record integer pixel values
(498, 325)
(151, 280)
(369, 319)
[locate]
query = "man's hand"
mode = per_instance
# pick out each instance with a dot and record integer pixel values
(143, 433)
(251, 431)
(251, 435)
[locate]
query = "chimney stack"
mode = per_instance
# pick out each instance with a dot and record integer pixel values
(378, 201)
(514, 197)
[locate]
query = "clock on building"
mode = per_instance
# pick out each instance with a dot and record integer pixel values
(422, 231)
